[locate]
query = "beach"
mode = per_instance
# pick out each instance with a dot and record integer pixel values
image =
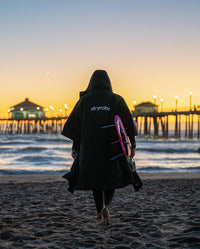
(37, 211)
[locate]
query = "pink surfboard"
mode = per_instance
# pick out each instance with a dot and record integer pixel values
(126, 148)
(123, 138)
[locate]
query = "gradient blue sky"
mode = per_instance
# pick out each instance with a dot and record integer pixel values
(49, 49)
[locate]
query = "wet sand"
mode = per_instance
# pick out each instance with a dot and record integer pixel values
(37, 211)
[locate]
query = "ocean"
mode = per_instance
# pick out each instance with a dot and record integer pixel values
(51, 154)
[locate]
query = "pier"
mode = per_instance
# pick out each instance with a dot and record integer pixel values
(155, 124)
(52, 125)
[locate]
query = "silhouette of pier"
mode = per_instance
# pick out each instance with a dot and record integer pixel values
(154, 124)
(51, 125)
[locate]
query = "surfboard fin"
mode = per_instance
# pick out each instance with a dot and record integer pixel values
(115, 142)
(114, 157)
(107, 126)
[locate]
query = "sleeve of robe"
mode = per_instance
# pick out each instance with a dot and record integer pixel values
(72, 126)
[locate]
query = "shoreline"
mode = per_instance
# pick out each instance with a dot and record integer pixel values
(58, 177)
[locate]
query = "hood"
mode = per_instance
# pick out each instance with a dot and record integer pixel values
(99, 80)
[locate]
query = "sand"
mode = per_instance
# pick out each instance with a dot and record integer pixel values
(37, 211)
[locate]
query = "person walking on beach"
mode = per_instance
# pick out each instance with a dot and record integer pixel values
(92, 145)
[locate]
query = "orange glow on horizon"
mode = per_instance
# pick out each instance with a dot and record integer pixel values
(58, 90)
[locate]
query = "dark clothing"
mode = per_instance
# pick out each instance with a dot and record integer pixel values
(94, 110)
(73, 175)
(102, 198)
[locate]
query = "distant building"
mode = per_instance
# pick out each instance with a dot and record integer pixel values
(27, 110)
(146, 107)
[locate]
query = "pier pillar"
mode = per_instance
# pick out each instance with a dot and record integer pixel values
(191, 135)
(162, 126)
(179, 126)
(140, 126)
(155, 121)
(189, 127)
(176, 126)
(34, 126)
(40, 126)
(186, 128)
(56, 127)
(149, 129)
(167, 127)
(145, 125)
(25, 127)
(136, 120)
(28, 128)
(52, 126)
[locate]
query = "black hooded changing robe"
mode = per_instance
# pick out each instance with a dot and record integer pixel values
(94, 110)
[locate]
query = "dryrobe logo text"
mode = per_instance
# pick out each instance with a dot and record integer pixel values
(100, 108)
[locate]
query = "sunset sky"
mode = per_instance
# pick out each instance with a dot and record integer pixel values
(50, 48)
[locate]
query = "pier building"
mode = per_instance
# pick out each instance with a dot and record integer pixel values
(146, 107)
(27, 110)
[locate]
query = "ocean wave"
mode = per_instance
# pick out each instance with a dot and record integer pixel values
(31, 149)
(32, 138)
(53, 139)
(154, 169)
(31, 172)
(5, 149)
(40, 159)
(158, 169)
(63, 171)
(15, 142)
(169, 160)
(168, 150)
(167, 141)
